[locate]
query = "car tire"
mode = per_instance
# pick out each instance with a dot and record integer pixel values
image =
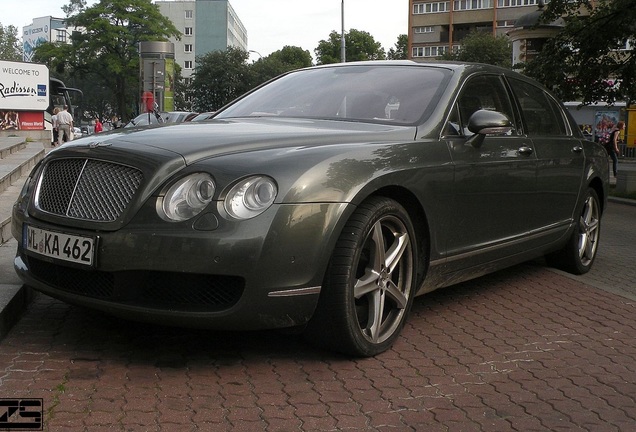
(370, 282)
(579, 253)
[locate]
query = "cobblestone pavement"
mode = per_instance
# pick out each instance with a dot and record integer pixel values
(614, 269)
(525, 349)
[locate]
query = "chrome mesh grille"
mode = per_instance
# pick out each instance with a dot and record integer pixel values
(87, 189)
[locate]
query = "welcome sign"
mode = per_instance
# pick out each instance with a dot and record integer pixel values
(24, 86)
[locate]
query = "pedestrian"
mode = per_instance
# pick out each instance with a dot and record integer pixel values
(98, 125)
(115, 122)
(55, 125)
(65, 125)
(612, 145)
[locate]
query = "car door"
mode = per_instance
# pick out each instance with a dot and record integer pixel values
(560, 158)
(494, 183)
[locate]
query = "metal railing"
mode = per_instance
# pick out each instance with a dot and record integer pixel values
(627, 152)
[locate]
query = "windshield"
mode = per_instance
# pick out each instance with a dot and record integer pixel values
(384, 94)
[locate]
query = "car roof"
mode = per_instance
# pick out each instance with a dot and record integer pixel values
(447, 64)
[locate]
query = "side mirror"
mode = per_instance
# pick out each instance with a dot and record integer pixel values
(484, 122)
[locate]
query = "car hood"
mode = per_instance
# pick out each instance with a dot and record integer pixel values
(196, 141)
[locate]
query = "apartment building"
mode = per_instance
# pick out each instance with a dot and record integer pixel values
(206, 26)
(438, 26)
(42, 30)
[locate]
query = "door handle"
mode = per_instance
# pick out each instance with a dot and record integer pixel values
(577, 149)
(525, 150)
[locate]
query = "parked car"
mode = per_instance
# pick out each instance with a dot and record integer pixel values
(88, 129)
(156, 118)
(203, 116)
(324, 201)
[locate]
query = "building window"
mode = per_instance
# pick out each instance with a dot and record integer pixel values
(426, 29)
(461, 5)
(189, 14)
(188, 31)
(506, 23)
(187, 64)
(425, 8)
(61, 36)
(515, 3)
(187, 48)
(429, 51)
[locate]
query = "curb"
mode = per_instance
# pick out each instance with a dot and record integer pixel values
(14, 295)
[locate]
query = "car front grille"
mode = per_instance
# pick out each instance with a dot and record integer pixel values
(151, 289)
(87, 189)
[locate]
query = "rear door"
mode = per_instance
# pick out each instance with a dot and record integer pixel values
(560, 158)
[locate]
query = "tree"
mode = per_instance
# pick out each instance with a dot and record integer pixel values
(287, 59)
(482, 47)
(400, 51)
(182, 101)
(10, 48)
(220, 77)
(107, 48)
(587, 60)
(359, 46)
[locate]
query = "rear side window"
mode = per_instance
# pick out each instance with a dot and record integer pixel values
(541, 114)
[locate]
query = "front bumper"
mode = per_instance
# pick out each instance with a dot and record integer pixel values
(256, 274)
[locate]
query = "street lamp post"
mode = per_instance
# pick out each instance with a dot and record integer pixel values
(343, 55)
(256, 52)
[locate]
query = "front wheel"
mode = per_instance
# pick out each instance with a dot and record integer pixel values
(370, 281)
(579, 253)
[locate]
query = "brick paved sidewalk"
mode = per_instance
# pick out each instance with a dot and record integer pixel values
(525, 349)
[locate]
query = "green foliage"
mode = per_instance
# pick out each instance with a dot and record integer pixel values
(400, 51)
(482, 47)
(10, 47)
(181, 101)
(107, 50)
(73, 7)
(281, 61)
(220, 77)
(586, 61)
(359, 46)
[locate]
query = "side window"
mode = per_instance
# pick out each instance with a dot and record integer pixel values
(482, 92)
(541, 114)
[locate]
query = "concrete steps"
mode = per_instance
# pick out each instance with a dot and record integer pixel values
(18, 156)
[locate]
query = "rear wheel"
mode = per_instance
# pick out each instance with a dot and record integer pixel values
(579, 253)
(370, 282)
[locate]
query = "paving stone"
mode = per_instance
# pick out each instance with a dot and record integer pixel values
(526, 349)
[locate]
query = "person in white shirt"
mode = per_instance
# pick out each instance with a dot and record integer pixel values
(55, 125)
(65, 125)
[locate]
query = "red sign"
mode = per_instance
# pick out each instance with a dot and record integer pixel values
(21, 120)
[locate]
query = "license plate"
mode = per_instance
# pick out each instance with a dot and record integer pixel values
(67, 247)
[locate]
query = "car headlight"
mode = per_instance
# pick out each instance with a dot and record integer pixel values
(250, 197)
(187, 197)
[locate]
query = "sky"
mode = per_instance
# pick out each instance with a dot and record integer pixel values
(272, 24)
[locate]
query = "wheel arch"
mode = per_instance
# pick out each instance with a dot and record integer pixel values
(597, 184)
(419, 220)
